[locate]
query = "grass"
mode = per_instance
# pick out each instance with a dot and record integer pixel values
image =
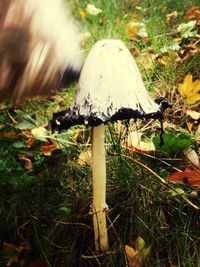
(46, 209)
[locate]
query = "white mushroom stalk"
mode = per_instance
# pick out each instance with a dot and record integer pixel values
(110, 88)
(99, 206)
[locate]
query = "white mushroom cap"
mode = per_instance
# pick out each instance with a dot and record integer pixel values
(110, 88)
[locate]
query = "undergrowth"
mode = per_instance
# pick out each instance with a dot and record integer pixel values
(45, 200)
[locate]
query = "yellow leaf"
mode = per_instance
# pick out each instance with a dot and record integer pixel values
(190, 90)
(131, 31)
(85, 158)
(82, 13)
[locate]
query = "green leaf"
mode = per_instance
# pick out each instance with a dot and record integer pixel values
(25, 121)
(139, 243)
(187, 29)
(174, 143)
(145, 252)
(18, 144)
(179, 191)
(21, 115)
(40, 133)
(174, 47)
(25, 125)
(65, 210)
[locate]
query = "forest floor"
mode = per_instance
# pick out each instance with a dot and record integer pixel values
(152, 191)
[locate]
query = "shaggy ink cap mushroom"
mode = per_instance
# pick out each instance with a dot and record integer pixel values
(110, 88)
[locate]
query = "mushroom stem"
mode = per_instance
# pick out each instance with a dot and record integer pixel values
(99, 189)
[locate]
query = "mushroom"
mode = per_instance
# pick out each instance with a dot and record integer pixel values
(110, 88)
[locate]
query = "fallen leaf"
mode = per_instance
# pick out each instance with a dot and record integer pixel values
(192, 156)
(147, 59)
(85, 158)
(131, 31)
(189, 177)
(137, 253)
(171, 16)
(168, 58)
(174, 46)
(178, 191)
(187, 30)
(134, 142)
(188, 51)
(93, 10)
(193, 114)
(26, 122)
(134, 52)
(133, 256)
(135, 28)
(174, 143)
(13, 252)
(9, 134)
(47, 149)
(38, 263)
(40, 133)
(193, 13)
(25, 158)
(190, 90)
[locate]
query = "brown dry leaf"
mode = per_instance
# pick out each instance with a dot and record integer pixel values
(135, 143)
(9, 134)
(28, 165)
(25, 158)
(134, 52)
(14, 253)
(193, 13)
(188, 51)
(169, 57)
(171, 16)
(38, 263)
(133, 256)
(147, 59)
(188, 176)
(47, 149)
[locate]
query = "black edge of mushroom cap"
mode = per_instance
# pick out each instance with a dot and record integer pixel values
(110, 88)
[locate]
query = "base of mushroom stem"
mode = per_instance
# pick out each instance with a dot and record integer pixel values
(100, 228)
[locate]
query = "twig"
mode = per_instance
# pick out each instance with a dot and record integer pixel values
(161, 160)
(168, 33)
(163, 181)
(98, 255)
(68, 223)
